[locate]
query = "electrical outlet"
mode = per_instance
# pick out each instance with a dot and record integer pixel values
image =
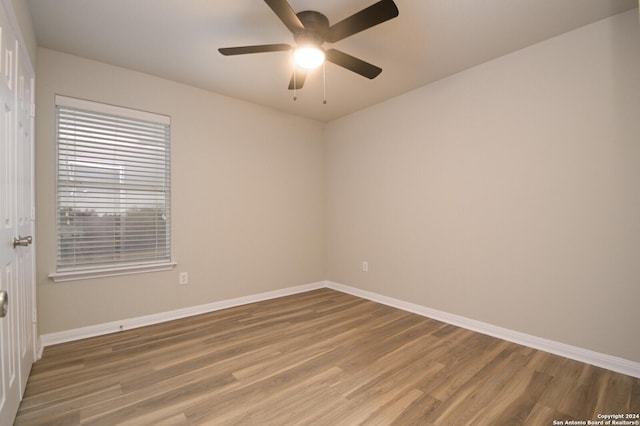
(365, 266)
(184, 278)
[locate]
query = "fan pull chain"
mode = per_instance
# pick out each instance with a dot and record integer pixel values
(324, 83)
(295, 83)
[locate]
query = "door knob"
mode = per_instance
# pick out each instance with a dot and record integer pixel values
(4, 303)
(22, 241)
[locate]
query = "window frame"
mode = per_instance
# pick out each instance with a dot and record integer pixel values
(98, 271)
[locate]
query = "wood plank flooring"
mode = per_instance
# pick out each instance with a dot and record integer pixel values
(317, 358)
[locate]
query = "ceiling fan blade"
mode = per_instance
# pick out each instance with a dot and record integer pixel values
(298, 77)
(373, 15)
(286, 14)
(243, 50)
(351, 63)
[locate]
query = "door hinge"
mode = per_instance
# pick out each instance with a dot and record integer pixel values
(33, 111)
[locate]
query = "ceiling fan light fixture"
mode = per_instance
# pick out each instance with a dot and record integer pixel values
(311, 29)
(308, 57)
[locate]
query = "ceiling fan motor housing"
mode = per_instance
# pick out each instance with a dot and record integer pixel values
(316, 26)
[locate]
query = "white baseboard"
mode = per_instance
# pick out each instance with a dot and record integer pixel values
(127, 324)
(609, 362)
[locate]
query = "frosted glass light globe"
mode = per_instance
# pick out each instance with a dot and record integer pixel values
(308, 57)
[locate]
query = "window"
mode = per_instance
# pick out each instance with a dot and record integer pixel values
(113, 191)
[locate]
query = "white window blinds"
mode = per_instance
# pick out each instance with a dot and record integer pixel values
(113, 186)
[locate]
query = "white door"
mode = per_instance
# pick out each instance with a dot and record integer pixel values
(25, 215)
(16, 201)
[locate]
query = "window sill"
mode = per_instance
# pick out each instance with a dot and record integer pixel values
(110, 272)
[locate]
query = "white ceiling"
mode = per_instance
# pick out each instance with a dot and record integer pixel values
(430, 39)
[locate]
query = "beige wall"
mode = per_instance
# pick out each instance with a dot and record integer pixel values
(248, 197)
(508, 193)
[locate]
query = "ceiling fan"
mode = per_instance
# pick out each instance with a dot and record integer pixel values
(311, 30)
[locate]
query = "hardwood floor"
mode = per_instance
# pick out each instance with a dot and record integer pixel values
(320, 358)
